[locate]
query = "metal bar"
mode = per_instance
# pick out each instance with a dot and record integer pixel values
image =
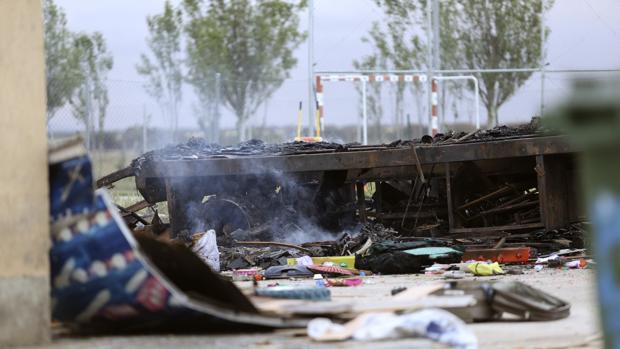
(434, 108)
(311, 130)
(542, 57)
(429, 65)
(469, 71)
(364, 115)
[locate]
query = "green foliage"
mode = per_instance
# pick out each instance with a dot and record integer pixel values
(249, 43)
(474, 34)
(76, 67)
(494, 34)
(62, 60)
(396, 47)
(163, 69)
(91, 97)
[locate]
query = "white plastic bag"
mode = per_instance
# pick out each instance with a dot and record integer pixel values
(435, 324)
(206, 249)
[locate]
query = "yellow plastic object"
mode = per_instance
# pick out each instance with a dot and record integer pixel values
(349, 261)
(485, 269)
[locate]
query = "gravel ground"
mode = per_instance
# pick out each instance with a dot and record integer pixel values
(579, 330)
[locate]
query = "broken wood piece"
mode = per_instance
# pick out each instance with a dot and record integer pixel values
(273, 243)
(467, 136)
(418, 165)
(486, 197)
(113, 177)
(500, 243)
(138, 206)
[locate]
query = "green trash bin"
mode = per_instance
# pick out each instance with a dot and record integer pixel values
(591, 118)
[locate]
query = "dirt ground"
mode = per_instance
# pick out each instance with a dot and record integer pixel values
(579, 330)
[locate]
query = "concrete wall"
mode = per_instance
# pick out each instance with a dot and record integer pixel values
(24, 205)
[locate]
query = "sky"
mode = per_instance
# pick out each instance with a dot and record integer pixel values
(585, 34)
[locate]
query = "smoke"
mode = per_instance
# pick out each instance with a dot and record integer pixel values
(296, 207)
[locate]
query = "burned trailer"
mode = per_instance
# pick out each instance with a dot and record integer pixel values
(492, 182)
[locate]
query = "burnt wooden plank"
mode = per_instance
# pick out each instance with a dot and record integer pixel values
(115, 177)
(490, 231)
(366, 160)
(449, 198)
(553, 188)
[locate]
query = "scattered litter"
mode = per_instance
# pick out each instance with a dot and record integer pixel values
(323, 269)
(287, 271)
(304, 260)
(397, 290)
(577, 264)
(437, 269)
(344, 282)
(543, 260)
(343, 261)
(454, 274)
(484, 268)
(318, 280)
(501, 255)
(434, 252)
(435, 324)
(205, 246)
(245, 274)
(288, 292)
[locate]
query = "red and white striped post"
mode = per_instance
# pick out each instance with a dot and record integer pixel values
(434, 101)
(364, 79)
(319, 96)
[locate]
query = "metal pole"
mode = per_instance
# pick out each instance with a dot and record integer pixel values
(477, 101)
(364, 115)
(542, 57)
(434, 102)
(311, 104)
(436, 54)
(429, 64)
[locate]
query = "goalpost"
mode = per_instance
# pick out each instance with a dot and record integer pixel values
(366, 78)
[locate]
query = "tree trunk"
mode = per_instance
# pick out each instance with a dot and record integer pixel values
(215, 128)
(491, 115)
(242, 129)
(379, 130)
